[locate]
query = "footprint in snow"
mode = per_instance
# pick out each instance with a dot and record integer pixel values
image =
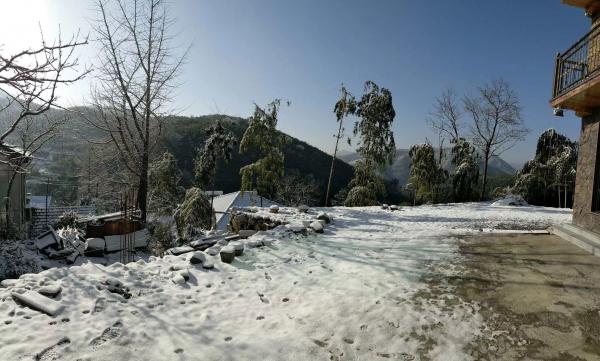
(108, 334)
(100, 305)
(267, 276)
(52, 353)
(262, 297)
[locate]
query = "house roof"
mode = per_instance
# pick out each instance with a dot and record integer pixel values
(241, 199)
(12, 151)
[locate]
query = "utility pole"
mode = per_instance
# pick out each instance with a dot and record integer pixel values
(47, 191)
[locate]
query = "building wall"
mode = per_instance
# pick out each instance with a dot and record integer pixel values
(17, 195)
(586, 165)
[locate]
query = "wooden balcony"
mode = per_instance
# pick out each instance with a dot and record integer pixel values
(577, 76)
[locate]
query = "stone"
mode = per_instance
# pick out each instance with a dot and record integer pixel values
(253, 243)
(324, 217)
(198, 258)
(227, 254)
(50, 290)
(202, 244)
(176, 251)
(185, 273)
(317, 226)
(245, 233)
(322, 221)
(178, 279)
(233, 237)
(238, 247)
(38, 302)
(306, 223)
(223, 242)
(394, 207)
(214, 250)
(385, 206)
(208, 264)
(303, 208)
(274, 209)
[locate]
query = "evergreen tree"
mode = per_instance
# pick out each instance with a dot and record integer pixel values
(193, 214)
(376, 145)
(425, 173)
(344, 107)
(262, 135)
(554, 165)
(165, 191)
(219, 145)
(466, 174)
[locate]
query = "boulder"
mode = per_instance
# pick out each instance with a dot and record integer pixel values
(274, 209)
(245, 233)
(317, 226)
(198, 258)
(394, 207)
(303, 208)
(238, 247)
(227, 254)
(178, 279)
(385, 206)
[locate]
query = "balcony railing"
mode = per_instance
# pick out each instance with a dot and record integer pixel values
(579, 63)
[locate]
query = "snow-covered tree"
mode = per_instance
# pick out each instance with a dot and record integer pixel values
(426, 175)
(295, 189)
(344, 107)
(193, 214)
(376, 140)
(466, 172)
(165, 191)
(262, 135)
(218, 146)
(554, 165)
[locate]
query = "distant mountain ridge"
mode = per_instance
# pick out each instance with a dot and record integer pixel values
(400, 167)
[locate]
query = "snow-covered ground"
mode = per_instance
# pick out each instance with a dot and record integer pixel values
(351, 293)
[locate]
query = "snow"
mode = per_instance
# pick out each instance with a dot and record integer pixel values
(356, 289)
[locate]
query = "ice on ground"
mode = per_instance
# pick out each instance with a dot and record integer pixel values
(353, 292)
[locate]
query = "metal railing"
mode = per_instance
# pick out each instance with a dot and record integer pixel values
(579, 63)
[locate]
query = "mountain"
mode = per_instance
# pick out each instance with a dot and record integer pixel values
(184, 135)
(400, 167)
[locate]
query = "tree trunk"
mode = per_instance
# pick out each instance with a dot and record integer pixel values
(337, 141)
(143, 189)
(566, 193)
(558, 188)
(7, 205)
(486, 160)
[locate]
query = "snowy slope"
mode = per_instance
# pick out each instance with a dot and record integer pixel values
(351, 293)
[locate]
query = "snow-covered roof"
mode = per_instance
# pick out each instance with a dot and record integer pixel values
(38, 201)
(241, 199)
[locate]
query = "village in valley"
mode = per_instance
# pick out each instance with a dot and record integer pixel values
(324, 222)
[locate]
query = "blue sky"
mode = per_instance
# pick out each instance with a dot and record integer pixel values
(249, 51)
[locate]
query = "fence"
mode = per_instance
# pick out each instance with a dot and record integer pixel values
(42, 217)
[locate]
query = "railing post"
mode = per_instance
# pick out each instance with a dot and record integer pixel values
(556, 75)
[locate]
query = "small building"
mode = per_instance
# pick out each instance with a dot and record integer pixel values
(10, 159)
(224, 204)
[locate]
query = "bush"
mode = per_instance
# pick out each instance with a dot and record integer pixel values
(360, 197)
(68, 219)
(194, 214)
(161, 237)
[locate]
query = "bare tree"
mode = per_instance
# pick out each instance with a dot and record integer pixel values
(445, 119)
(29, 80)
(136, 77)
(497, 123)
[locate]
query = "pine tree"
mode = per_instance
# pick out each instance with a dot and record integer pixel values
(262, 135)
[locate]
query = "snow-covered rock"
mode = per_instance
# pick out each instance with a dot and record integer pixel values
(238, 247)
(274, 209)
(38, 302)
(227, 254)
(317, 226)
(50, 290)
(324, 217)
(176, 251)
(510, 200)
(303, 208)
(245, 233)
